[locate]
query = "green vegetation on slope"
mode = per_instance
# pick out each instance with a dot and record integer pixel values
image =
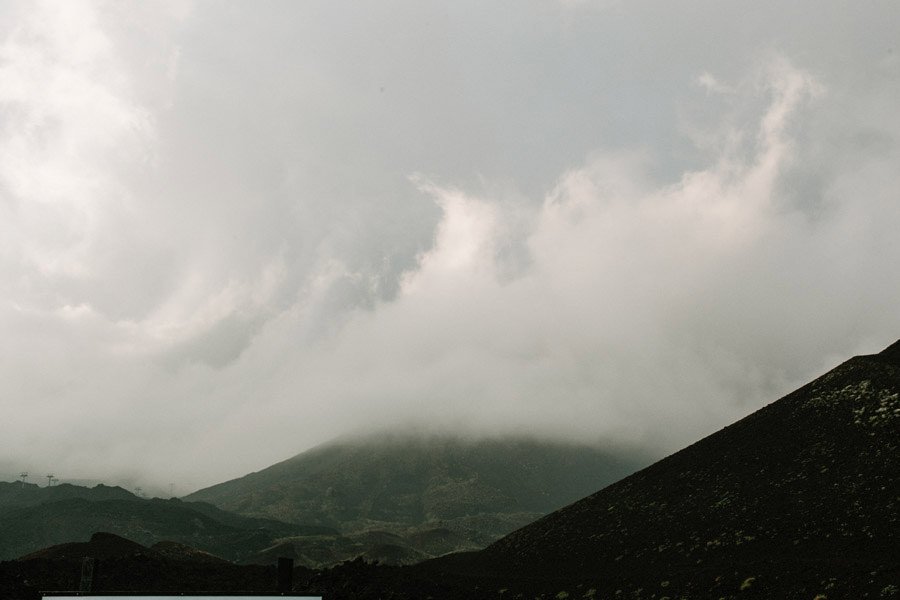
(27, 524)
(432, 494)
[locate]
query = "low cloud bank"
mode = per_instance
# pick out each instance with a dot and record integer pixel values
(621, 310)
(209, 325)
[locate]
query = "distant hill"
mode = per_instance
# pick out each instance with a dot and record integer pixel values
(105, 546)
(401, 499)
(19, 493)
(47, 516)
(798, 500)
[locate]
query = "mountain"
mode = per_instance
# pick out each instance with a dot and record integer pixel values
(13, 494)
(104, 546)
(28, 524)
(401, 499)
(800, 499)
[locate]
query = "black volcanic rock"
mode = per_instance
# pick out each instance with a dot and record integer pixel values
(890, 354)
(123, 565)
(802, 495)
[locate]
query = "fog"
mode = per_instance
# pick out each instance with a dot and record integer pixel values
(232, 231)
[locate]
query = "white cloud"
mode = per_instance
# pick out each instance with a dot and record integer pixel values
(209, 236)
(627, 316)
(66, 116)
(708, 82)
(646, 314)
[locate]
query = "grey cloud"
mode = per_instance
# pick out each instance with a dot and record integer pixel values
(229, 243)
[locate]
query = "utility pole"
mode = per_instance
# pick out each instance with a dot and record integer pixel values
(50, 477)
(23, 476)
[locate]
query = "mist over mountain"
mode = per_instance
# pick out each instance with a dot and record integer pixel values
(799, 499)
(232, 232)
(418, 496)
(226, 222)
(399, 499)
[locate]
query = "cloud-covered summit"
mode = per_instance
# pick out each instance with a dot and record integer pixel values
(231, 233)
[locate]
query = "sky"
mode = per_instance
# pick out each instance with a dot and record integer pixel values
(231, 231)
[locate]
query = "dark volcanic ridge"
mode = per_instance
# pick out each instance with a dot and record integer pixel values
(806, 487)
(104, 546)
(122, 565)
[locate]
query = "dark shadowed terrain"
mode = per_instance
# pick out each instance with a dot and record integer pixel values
(33, 517)
(798, 499)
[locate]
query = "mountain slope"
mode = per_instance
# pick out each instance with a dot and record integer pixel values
(802, 495)
(29, 494)
(28, 528)
(437, 493)
(124, 566)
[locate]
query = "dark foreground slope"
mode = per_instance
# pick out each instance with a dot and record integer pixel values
(402, 499)
(798, 499)
(123, 565)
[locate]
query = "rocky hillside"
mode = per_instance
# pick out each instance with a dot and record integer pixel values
(30, 526)
(402, 499)
(801, 496)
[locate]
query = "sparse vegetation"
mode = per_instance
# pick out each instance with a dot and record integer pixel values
(433, 495)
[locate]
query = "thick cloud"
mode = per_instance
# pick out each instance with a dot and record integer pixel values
(228, 233)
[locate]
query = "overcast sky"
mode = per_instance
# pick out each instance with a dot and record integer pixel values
(230, 231)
